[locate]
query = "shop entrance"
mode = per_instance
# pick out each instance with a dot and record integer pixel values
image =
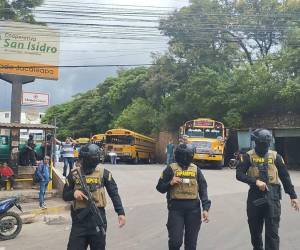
(287, 143)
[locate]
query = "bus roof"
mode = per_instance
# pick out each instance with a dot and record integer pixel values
(98, 137)
(82, 140)
(121, 131)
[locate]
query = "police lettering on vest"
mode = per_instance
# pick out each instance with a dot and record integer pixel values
(188, 189)
(270, 159)
(96, 185)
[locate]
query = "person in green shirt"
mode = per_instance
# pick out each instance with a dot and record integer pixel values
(170, 152)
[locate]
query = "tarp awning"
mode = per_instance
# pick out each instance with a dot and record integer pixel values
(25, 126)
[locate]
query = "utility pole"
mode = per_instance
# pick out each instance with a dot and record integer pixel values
(16, 94)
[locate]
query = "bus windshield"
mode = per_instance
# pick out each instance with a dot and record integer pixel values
(204, 132)
(119, 139)
(3, 140)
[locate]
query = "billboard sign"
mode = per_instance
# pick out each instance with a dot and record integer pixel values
(31, 50)
(35, 99)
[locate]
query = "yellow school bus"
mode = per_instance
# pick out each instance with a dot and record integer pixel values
(98, 139)
(208, 138)
(130, 146)
(80, 142)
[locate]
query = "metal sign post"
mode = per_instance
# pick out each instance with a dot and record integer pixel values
(16, 97)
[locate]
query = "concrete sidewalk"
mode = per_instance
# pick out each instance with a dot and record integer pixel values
(33, 213)
(54, 205)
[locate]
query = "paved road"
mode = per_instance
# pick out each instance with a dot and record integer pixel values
(146, 214)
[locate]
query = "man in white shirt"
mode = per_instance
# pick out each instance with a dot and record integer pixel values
(67, 152)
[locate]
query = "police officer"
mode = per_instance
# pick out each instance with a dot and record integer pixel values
(185, 186)
(29, 151)
(83, 232)
(262, 168)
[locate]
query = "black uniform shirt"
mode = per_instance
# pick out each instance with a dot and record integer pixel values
(245, 163)
(164, 186)
(110, 185)
(30, 143)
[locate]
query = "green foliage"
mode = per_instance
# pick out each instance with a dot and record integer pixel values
(220, 31)
(139, 116)
(95, 111)
(19, 10)
(227, 60)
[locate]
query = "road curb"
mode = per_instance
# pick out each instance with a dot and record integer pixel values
(50, 210)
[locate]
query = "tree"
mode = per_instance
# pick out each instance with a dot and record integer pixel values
(225, 61)
(139, 116)
(226, 31)
(96, 110)
(19, 10)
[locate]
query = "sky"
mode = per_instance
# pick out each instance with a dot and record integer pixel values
(97, 32)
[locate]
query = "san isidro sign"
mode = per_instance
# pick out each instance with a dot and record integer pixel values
(30, 50)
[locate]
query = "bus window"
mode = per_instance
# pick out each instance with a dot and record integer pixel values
(119, 139)
(195, 132)
(205, 133)
(213, 133)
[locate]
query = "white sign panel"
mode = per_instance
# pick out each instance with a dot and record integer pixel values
(35, 99)
(27, 49)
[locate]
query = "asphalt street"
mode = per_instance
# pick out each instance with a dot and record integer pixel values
(147, 214)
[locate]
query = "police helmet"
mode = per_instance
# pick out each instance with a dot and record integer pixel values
(89, 151)
(184, 154)
(261, 135)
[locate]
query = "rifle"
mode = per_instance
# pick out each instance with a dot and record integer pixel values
(91, 204)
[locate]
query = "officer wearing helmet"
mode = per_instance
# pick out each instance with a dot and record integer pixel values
(30, 158)
(262, 168)
(186, 190)
(83, 233)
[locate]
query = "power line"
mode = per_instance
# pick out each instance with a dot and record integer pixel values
(76, 3)
(77, 66)
(117, 65)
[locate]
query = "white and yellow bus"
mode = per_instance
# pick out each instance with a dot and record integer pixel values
(98, 139)
(80, 142)
(130, 146)
(208, 137)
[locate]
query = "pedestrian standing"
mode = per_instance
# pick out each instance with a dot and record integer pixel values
(67, 151)
(113, 157)
(47, 146)
(186, 190)
(83, 232)
(7, 174)
(170, 152)
(43, 173)
(261, 168)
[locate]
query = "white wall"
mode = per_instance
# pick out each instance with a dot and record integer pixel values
(5, 117)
